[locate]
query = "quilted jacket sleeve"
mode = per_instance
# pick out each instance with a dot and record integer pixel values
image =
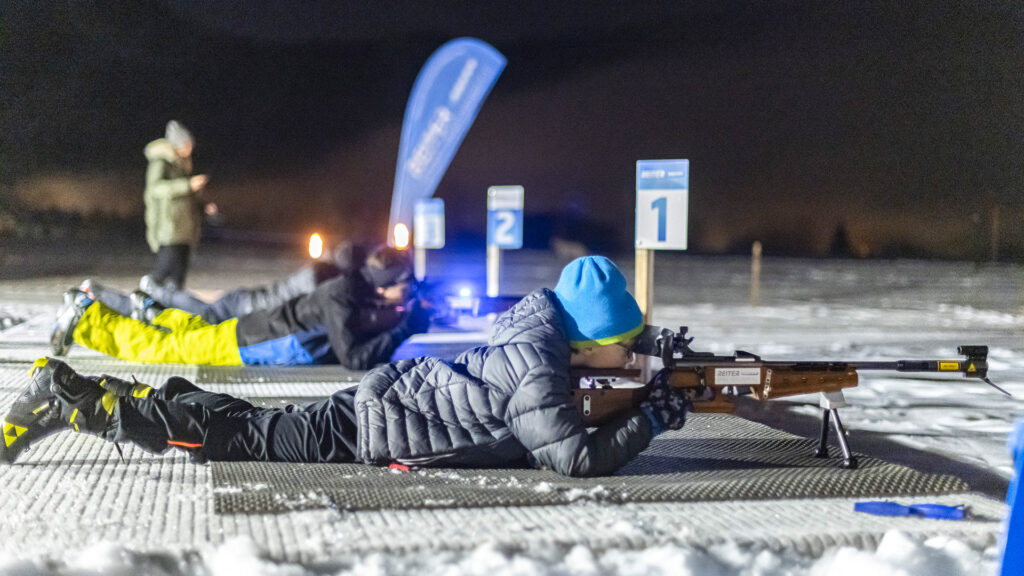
(159, 185)
(542, 417)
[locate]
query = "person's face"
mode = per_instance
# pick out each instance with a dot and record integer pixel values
(618, 355)
(184, 151)
(394, 294)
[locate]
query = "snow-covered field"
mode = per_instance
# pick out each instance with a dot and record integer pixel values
(808, 309)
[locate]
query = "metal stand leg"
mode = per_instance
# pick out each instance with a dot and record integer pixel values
(830, 404)
(822, 450)
(849, 460)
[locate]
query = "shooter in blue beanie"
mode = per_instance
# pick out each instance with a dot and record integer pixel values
(602, 321)
(505, 403)
(597, 310)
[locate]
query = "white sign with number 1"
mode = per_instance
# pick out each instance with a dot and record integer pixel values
(662, 202)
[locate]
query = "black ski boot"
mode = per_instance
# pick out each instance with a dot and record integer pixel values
(63, 334)
(36, 412)
(83, 405)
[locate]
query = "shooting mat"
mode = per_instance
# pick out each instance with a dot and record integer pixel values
(715, 457)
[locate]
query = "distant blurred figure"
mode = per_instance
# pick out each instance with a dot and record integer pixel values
(346, 257)
(174, 204)
(356, 319)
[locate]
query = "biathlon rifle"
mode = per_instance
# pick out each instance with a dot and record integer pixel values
(713, 381)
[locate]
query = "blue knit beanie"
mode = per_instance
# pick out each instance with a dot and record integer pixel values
(597, 308)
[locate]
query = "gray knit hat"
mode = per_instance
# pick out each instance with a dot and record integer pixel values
(177, 135)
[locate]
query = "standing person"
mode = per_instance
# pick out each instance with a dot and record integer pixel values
(356, 319)
(173, 204)
(503, 403)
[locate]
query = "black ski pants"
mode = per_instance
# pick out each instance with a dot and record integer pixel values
(242, 301)
(215, 426)
(171, 264)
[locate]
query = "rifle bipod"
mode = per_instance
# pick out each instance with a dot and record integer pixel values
(830, 404)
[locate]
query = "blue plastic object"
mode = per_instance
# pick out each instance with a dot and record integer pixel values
(938, 511)
(1013, 546)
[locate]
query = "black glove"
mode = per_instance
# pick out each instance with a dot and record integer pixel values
(417, 318)
(665, 406)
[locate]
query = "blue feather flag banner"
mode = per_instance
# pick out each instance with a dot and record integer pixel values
(445, 99)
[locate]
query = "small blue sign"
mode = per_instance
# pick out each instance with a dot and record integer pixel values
(428, 224)
(505, 217)
(657, 174)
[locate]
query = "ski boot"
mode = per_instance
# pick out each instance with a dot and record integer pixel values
(123, 388)
(36, 413)
(92, 288)
(83, 405)
(144, 308)
(62, 336)
(161, 291)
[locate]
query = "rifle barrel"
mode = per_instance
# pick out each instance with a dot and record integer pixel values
(902, 365)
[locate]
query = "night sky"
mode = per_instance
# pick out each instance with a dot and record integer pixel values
(902, 121)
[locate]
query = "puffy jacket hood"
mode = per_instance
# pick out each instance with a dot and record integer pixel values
(161, 149)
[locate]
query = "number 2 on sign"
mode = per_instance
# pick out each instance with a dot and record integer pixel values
(661, 205)
(503, 227)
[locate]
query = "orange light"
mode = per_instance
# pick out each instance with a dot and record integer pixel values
(401, 236)
(316, 246)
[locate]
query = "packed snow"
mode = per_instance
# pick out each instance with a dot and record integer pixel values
(897, 555)
(808, 310)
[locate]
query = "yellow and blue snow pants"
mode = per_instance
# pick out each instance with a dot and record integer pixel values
(176, 337)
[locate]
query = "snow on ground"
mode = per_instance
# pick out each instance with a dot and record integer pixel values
(810, 310)
(897, 555)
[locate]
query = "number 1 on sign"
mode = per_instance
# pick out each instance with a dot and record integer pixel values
(661, 205)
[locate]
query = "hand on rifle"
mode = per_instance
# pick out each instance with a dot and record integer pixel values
(665, 406)
(417, 319)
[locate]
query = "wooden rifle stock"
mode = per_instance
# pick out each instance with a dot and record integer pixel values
(601, 394)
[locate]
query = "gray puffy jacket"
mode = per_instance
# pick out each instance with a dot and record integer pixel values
(493, 405)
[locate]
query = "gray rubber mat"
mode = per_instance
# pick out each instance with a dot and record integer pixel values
(714, 458)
